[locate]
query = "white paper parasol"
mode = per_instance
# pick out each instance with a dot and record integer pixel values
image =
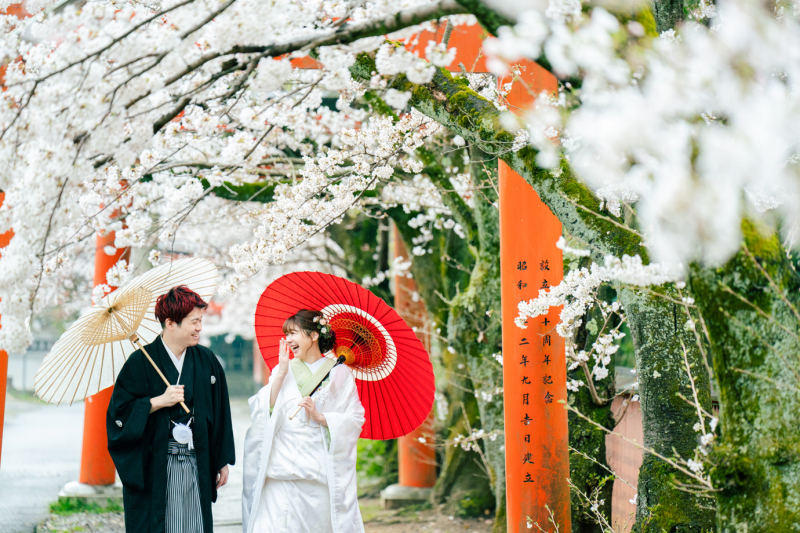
(89, 355)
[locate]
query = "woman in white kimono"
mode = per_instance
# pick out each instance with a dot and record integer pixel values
(300, 473)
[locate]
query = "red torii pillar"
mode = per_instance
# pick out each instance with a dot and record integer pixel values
(534, 365)
(19, 11)
(261, 372)
(97, 468)
(534, 371)
(5, 238)
(416, 455)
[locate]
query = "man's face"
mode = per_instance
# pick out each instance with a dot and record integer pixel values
(188, 333)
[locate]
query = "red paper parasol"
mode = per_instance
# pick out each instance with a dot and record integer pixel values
(393, 372)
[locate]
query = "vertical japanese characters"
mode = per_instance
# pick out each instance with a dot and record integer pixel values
(534, 357)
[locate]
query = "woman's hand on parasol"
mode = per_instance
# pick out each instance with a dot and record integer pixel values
(311, 411)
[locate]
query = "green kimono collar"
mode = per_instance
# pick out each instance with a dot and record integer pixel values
(306, 381)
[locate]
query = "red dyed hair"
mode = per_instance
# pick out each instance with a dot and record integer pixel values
(177, 304)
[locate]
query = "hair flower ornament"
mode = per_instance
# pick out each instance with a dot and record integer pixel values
(322, 323)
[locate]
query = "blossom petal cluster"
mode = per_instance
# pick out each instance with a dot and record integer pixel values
(141, 118)
(697, 129)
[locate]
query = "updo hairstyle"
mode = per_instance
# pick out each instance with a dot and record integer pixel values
(304, 320)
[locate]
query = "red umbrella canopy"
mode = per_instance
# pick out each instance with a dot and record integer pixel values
(393, 372)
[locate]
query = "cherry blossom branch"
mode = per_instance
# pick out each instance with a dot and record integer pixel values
(354, 31)
(211, 16)
(601, 465)
(44, 242)
(767, 379)
(694, 389)
(114, 41)
(698, 340)
(344, 34)
(125, 191)
(20, 110)
(609, 219)
(589, 379)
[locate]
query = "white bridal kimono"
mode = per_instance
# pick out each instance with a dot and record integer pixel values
(300, 476)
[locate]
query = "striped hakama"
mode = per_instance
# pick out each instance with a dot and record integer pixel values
(183, 491)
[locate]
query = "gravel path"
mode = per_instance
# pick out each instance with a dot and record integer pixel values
(377, 521)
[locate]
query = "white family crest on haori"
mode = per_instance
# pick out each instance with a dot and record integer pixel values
(90, 354)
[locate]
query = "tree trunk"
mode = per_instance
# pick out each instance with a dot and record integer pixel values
(755, 359)
(659, 338)
(590, 476)
(475, 328)
(668, 13)
(463, 485)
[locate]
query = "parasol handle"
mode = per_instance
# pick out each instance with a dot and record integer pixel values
(135, 341)
(339, 361)
(298, 408)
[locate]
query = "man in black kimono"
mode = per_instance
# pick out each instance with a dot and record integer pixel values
(171, 462)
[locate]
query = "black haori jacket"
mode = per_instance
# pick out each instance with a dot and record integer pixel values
(137, 440)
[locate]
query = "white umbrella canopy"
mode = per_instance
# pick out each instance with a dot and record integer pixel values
(89, 355)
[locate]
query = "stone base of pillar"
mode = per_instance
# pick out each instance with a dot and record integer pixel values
(397, 496)
(102, 495)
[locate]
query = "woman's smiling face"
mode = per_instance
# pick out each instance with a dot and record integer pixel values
(300, 343)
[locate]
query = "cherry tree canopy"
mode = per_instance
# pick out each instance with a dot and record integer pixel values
(154, 118)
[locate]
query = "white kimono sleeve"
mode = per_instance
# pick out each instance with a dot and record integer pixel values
(254, 446)
(345, 416)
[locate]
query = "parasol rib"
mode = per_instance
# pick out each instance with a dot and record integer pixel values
(77, 367)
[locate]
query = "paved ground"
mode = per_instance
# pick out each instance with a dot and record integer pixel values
(376, 521)
(228, 509)
(42, 450)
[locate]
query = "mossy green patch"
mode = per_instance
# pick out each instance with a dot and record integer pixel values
(754, 334)
(70, 505)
